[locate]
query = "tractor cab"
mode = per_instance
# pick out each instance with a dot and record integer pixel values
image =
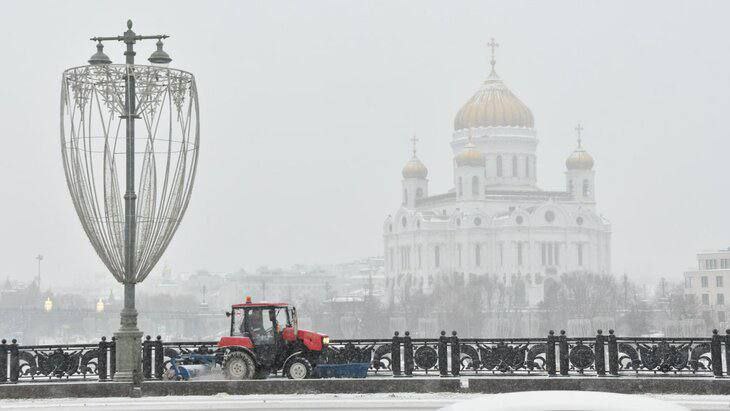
(269, 336)
(263, 323)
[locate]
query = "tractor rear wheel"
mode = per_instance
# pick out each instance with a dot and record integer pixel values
(238, 365)
(298, 368)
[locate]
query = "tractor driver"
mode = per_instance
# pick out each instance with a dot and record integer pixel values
(254, 327)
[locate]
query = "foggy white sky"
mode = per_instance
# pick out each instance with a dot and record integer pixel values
(307, 107)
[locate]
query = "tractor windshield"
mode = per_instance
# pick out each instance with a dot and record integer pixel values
(250, 322)
(293, 319)
(282, 318)
(261, 322)
(237, 326)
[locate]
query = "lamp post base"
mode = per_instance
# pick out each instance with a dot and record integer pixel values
(128, 342)
(129, 360)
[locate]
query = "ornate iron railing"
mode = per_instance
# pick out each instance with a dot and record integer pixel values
(666, 356)
(446, 355)
(59, 361)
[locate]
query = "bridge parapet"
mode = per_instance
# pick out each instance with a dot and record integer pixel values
(402, 356)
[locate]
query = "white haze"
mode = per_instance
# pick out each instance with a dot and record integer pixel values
(307, 107)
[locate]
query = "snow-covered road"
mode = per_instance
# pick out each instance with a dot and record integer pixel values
(350, 402)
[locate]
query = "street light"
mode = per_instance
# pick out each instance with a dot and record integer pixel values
(159, 56)
(100, 306)
(130, 229)
(48, 305)
(99, 57)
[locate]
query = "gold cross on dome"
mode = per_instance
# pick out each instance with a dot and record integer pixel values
(578, 130)
(414, 140)
(493, 45)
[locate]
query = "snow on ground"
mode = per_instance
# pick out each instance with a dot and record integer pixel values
(350, 402)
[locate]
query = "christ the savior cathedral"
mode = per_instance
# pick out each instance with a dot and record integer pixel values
(495, 220)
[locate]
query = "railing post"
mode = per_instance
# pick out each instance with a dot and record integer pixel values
(455, 355)
(102, 368)
(113, 357)
(443, 355)
(716, 354)
(3, 361)
(147, 358)
(612, 354)
(408, 354)
(563, 349)
(550, 354)
(395, 355)
(14, 362)
(600, 354)
(159, 358)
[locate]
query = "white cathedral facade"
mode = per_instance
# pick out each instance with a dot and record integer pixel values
(495, 220)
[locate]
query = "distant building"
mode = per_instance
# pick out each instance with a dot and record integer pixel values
(496, 220)
(706, 285)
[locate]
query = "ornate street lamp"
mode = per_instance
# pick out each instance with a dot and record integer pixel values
(130, 229)
(48, 305)
(100, 306)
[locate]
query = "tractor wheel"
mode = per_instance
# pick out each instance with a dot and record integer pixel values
(298, 368)
(238, 365)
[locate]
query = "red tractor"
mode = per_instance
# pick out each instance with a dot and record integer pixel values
(265, 338)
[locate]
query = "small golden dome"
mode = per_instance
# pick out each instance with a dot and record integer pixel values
(494, 105)
(579, 160)
(414, 168)
(470, 156)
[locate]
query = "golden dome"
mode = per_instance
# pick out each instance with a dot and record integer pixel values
(494, 105)
(579, 160)
(470, 156)
(414, 168)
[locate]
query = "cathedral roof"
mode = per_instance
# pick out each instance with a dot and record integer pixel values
(579, 159)
(494, 105)
(414, 168)
(470, 156)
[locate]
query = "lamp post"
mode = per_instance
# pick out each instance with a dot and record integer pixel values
(100, 104)
(39, 258)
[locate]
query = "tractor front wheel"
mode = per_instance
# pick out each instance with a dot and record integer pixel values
(298, 368)
(238, 365)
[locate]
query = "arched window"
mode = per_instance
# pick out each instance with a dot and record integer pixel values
(477, 255)
(437, 257)
(570, 186)
(527, 166)
(461, 188)
(586, 188)
(499, 166)
(514, 166)
(419, 192)
(475, 185)
(405, 196)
